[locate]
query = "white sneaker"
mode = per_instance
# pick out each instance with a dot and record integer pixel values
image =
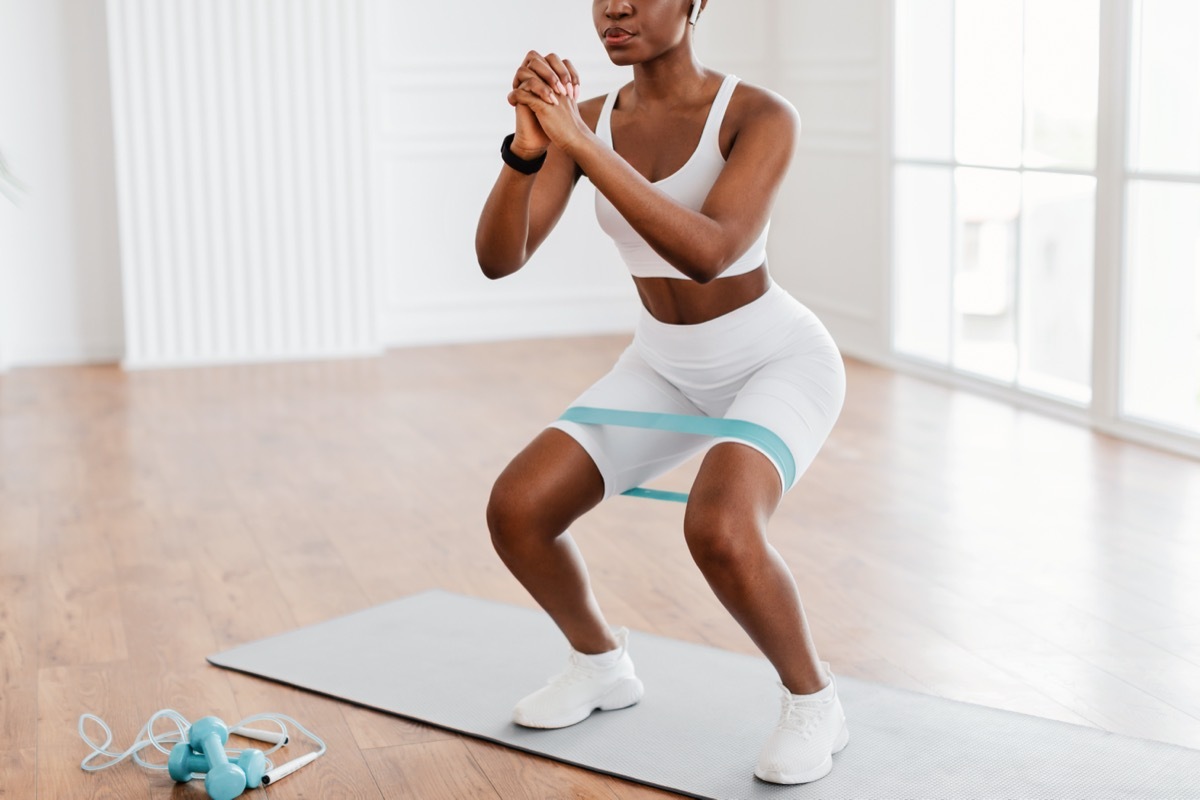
(573, 694)
(811, 729)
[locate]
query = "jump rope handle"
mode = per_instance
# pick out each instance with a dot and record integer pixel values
(283, 770)
(272, 737)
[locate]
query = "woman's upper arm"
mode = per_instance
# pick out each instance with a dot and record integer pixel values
(765, 142)
(554, 184)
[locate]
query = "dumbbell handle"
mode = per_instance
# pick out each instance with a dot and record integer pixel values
(184, 762)
(224, 781)
(213, 749)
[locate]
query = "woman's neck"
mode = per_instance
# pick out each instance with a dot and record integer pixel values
(676, 77)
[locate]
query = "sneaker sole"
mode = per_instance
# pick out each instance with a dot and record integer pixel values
(624, 693)
(816, 773)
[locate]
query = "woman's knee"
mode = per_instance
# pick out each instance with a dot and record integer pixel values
(720, 536)
(512, 516)
(542, 491)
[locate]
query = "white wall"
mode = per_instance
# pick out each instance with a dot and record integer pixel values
(829, 237)
(436, 78)
(60, 290)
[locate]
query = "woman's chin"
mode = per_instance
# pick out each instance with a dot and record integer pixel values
(623, 55)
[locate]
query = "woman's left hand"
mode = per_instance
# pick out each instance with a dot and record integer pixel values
(559, 119)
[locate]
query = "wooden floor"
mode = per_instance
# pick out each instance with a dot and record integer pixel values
(942, 542)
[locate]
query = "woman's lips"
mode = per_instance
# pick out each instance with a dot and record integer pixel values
(617, 36)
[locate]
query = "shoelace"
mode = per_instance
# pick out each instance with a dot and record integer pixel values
(799, 717)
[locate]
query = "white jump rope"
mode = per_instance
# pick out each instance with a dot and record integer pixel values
(198, 750)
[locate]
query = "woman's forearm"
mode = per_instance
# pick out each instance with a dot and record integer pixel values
(502, 236)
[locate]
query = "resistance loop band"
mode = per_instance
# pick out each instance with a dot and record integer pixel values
(748, 432)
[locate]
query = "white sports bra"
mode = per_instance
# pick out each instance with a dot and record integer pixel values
(689, 185)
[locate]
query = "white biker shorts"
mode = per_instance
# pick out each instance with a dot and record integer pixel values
(770, 362)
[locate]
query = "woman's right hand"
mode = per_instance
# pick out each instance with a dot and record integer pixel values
(548, 77)
(531, 141)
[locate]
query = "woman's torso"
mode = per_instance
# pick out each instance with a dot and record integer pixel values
(658, 145)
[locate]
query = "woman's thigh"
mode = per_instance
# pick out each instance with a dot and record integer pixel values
(797, 397)
(628, 457)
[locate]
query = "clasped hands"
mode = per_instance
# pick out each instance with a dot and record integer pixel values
(546, 95)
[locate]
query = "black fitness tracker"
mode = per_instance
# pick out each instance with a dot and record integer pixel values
(525, 167)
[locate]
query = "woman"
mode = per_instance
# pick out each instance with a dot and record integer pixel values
(686, 163)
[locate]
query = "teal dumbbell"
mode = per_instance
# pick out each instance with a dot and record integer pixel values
(205, 752)
(184, 761)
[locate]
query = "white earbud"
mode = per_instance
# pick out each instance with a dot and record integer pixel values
(283, 770)
(695, 12)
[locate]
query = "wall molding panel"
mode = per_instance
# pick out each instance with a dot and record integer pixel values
(243, 182)
(831, 63)
(830, 71)
(835, 143)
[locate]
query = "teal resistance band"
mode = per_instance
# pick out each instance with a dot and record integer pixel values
(748, 432)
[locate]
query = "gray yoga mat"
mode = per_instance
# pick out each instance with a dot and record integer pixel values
(461, 662)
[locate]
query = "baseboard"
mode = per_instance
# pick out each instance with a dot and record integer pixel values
(542, 315)
(62, 355)
(1147, 434)
(252, 359)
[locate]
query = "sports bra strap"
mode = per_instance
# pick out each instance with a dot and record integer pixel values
(716, 114)
(603, 124)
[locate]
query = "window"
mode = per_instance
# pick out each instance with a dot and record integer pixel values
(995, 154)
(995, 193)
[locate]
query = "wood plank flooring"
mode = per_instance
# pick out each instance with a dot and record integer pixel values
(942, 542)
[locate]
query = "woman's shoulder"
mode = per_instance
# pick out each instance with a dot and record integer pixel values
(752, 104)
